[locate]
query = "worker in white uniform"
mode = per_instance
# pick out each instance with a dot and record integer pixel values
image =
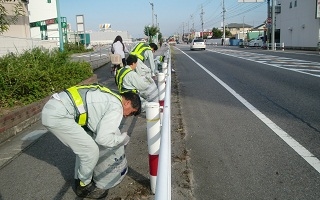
(87, 118)
(128, 80)
(145, 64)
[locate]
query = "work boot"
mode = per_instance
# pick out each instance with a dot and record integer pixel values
(83, 191)
(98, 193)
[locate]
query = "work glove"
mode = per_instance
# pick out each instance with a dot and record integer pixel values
(126, 138)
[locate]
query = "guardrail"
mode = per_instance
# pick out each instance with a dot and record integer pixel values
(276, 45)
(158, 116)
(163, 186)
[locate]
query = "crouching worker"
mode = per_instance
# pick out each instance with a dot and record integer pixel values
(158, 60)
(86, 118)
(128, 80)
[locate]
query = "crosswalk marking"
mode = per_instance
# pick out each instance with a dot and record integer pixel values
(302, 66)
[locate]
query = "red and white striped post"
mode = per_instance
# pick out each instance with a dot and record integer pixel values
(153, 135)
(162, 92)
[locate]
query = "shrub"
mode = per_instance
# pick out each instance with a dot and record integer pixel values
(75, 48)
(37, 73)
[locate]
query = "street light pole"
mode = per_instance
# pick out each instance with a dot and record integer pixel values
(152, 12)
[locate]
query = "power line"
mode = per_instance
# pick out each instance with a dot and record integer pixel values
(231, 12)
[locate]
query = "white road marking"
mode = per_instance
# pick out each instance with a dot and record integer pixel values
(274, 61)
(296, 146)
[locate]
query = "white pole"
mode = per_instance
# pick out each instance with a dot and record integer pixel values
(153, 135)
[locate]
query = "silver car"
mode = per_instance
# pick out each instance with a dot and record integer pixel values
(198, 43)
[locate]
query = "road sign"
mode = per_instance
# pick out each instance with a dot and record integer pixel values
(269, 20)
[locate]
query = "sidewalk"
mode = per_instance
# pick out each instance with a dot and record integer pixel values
(37, 158)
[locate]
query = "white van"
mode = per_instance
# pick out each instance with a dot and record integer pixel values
(258, 42)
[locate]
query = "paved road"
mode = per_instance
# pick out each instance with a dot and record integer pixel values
(36, 165)
(252, 123)
(221, 148)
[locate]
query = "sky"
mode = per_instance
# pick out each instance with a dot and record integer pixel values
(172, 16)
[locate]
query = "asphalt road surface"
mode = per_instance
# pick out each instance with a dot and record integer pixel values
(252, 120)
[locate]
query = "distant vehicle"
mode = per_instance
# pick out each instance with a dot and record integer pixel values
(258, 42)
(198, 43)
(172, 42)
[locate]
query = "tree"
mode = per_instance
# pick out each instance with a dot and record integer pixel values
(216, 33)
(9, 17)
(228, 33)
(150, 31)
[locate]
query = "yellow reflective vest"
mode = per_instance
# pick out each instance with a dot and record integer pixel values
(78, 96)
(121, 73)
(139, 50)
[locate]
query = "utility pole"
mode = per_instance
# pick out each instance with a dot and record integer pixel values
(201, 16)
(182, 38)
(152, 13)
(243, 29)
(192, 22)
(267, 24)
(273, 24)
(156, 20)
(192, 29)
(223, 18)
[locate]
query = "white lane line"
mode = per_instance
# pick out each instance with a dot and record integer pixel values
(296, 146)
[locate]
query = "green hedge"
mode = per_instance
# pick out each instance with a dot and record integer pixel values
(37, 73)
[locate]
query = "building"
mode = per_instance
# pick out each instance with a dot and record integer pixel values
(238, 30)
(21, 28)
(44, 17)
(18, 38)
(298, 23)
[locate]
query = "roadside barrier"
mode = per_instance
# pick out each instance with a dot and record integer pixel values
(158, 117)
(163, 186)
(162, 88)
(279, 45)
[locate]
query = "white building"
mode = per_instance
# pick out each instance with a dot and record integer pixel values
(18, 38)
(298, 23)
(41, 10)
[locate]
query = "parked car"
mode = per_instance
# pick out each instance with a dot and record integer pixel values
(198, 43)
(258, 42)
